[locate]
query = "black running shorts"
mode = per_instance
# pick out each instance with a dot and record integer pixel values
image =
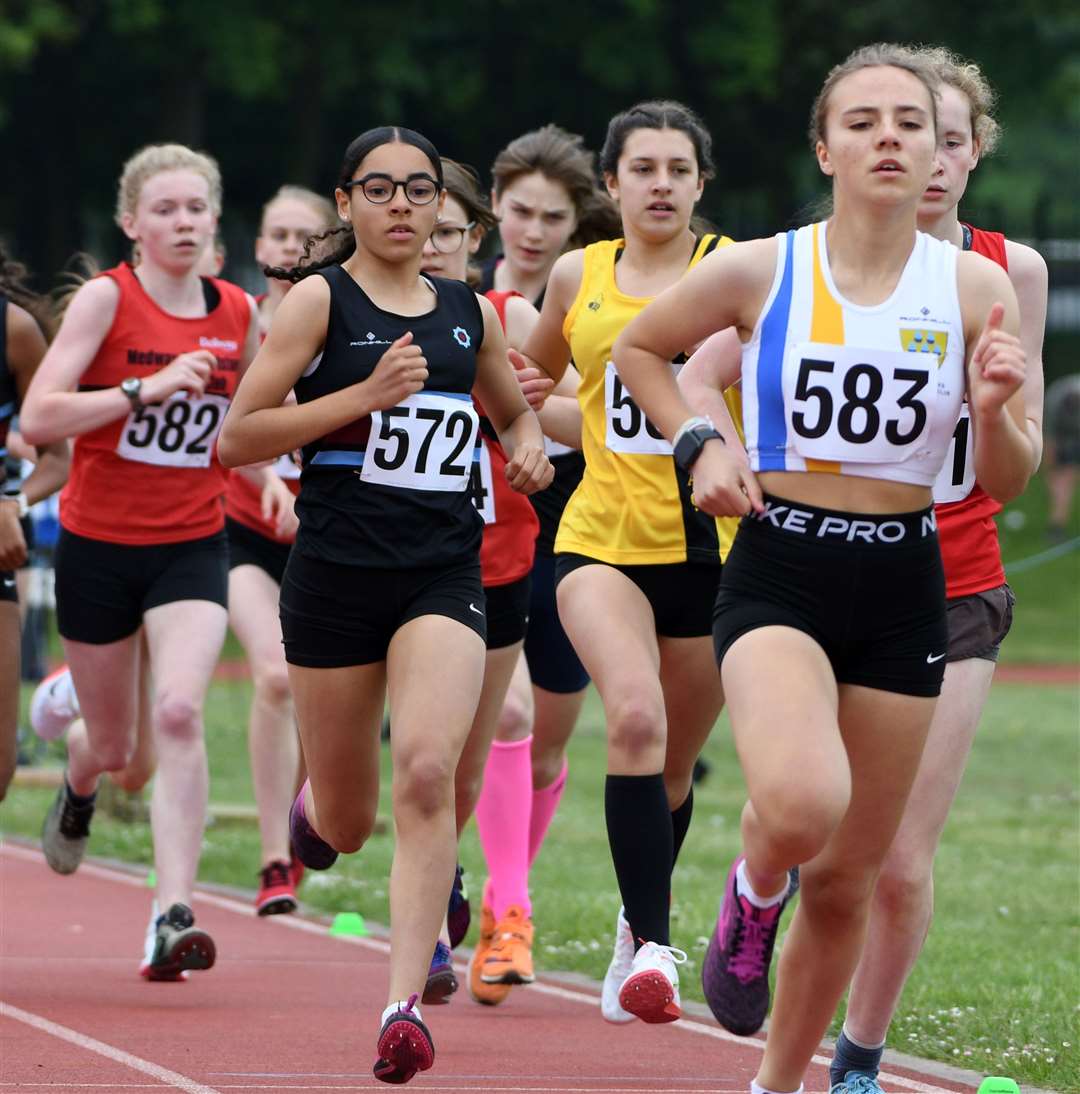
(870, 590)
(681, 594)
(103, 590)
(507, 613)
(249, 548)
(333, 615)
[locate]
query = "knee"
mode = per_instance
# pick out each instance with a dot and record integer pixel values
(798, 820)
(177, 718)
(515, 718)
(905, 885)
(423, 785)
(547, 765)
(636, 726)
(839, 897)
(272, 686)
(347, 831)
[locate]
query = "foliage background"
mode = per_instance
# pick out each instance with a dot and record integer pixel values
(276, 89)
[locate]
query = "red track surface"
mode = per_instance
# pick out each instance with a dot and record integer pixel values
(291, 1008)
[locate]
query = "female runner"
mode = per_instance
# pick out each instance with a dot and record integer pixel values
(382, 590)
(260, 526)
(140, 373)
(856, 333)
(546, 198)
(637, 565)
(978, 604)
(22, 346)
(506, 557)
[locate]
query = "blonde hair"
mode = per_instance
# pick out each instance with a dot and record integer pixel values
(878, 55)
(968, 79)
(322, 207)
(155, 158)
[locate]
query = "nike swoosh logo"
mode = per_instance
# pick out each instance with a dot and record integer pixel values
(930, 658)
(9, 582)
(474, 608)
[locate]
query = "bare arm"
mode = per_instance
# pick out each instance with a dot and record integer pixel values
(714, 366)
(546, 347)
(527, 468)
(726, 289)
(1005, 455)
(1027, 271)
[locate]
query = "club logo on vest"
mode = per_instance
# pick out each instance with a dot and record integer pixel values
(594, 305)
(461, 336)
(924, 340)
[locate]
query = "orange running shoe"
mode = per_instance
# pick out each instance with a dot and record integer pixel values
(509, 961)
(490, 995)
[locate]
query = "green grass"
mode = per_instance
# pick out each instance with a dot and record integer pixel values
(1047, 626)
(995, 990)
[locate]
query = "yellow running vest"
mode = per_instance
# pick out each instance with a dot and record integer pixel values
(633, 505)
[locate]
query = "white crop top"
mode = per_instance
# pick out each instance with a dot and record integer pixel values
(833, 386)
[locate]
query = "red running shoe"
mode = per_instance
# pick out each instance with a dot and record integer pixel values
(405, 1046)
(277, 892)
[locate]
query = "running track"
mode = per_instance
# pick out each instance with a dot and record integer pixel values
(291, 1008)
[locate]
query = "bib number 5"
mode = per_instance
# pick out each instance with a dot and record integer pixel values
(627, 428)
(423, 443)
(178, 433)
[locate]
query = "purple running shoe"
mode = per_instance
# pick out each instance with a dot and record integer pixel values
(308, 846)
(735, 975)
(441, 981)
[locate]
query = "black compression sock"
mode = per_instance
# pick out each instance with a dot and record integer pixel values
(80, 801)
(680, 824)
(640, 834)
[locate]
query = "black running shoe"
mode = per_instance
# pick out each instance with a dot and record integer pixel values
(65, 832)
(178, 946)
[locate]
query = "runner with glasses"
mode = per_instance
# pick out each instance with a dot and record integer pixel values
(382, 593)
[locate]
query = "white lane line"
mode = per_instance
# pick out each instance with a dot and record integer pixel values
(117, 1055)
(687, 1025)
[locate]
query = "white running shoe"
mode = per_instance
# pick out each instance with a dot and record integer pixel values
(622, 958)
(651, 991)
(54, 705)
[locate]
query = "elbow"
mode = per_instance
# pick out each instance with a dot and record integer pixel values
(34, 429)
(227, 453)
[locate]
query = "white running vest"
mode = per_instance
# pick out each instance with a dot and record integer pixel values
(837, 387)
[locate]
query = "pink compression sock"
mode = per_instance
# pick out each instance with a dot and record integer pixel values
(544, 804)
(502, 815)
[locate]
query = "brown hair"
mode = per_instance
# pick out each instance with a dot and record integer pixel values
(462, 183)
(562, 157)
(13, 285)
(155, 158)
(968, 78)
(878, 55)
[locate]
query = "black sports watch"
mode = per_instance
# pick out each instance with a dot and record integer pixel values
(132, 387)
(691, 439)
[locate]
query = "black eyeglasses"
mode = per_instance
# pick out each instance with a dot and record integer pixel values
(447, 238)
(420, 189)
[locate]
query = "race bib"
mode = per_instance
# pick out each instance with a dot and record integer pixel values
(423, 443)
(177, 433)
(956, 479)
(857, 405)
(481, 483)
(628, 430)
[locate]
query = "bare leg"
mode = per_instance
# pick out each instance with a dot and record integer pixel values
(185, 639)
(435, 673)
(904, 896)
(272, 740)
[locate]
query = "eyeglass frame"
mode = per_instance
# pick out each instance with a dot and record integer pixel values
(395, 183)
(464, 230)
